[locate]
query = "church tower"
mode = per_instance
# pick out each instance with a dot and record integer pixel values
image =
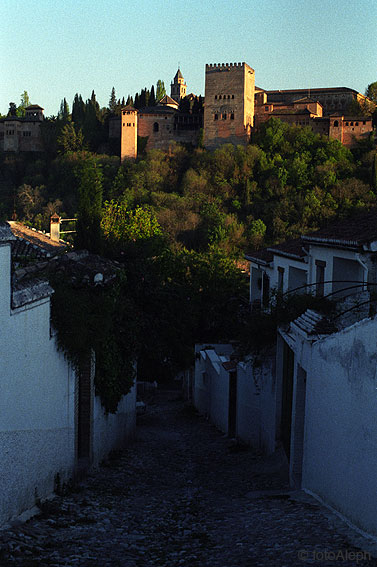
(178, 87)
(128, 133)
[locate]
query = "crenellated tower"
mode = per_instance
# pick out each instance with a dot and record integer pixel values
(229, 104)
(128, 129)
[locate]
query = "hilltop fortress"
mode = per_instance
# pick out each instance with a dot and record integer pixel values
(232, 109)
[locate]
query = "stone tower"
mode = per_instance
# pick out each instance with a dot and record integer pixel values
(128, 133)
(228, 104)
(178, 87)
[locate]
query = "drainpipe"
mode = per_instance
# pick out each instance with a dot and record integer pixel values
(365, 268)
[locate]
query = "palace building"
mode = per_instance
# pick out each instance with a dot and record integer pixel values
(232, 109)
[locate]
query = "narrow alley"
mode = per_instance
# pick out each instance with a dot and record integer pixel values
(183, 495)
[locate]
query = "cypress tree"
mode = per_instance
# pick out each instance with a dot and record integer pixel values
(78, 111)
(152, 97)
(112, 101)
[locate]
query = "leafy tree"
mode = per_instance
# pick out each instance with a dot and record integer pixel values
(71, 140)
(25, 102)
(135, 232)
(30, 200)
(88, 228)
(371, 91)
(12, 109)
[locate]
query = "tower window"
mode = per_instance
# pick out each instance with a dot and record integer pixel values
(156, 127)
(224, 116)
(232, 95)
(216, 116)
(336, 123)
(232, 116)
(228, 95)
(219, 96)
(215, 96)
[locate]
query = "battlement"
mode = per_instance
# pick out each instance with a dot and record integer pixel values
(226, 66)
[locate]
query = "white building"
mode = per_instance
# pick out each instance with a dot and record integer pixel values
(42, 431)
(238, 397)
(338, 260)
(323, 390)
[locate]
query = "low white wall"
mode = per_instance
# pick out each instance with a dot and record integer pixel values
(112, 431)
(219, 400)
(37, 394)
(340, 457)
(256, 404)
(211, 383)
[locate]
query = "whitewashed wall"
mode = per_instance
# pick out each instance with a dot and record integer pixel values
(340, 457)
(37, 389)
(211, 383)
(256, 404)
(112, 431)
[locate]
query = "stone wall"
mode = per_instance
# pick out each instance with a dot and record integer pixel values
(229, 104)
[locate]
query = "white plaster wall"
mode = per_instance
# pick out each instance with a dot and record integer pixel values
(112, 431)
(326, 255)
(340, 458)
(285, 263)
(256, 405)
(248, 407)
(37, 389)
(219, 405)
(201, 384)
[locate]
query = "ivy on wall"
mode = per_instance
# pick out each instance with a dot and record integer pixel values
(102, 319)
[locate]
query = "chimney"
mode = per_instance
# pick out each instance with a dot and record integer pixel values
(55, 227)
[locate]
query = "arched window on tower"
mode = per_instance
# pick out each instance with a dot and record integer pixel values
(336, 123)
(156, 127)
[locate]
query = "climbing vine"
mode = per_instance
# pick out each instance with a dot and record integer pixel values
(100, 319)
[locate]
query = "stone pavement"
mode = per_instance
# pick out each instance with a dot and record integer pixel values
(183, 496)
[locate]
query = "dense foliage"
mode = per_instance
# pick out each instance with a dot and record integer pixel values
(178, 221)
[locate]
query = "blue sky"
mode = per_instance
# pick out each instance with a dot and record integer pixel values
(55, 48)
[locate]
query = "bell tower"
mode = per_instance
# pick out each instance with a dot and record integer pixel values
(178, 87)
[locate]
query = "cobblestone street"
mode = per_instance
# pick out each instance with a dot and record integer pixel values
(183, 495)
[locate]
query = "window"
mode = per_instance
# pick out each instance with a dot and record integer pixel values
(351, 123)
(356, 123)
(266, 108)
(232, 95)
(320, 277)
(156, 127)
(124, 123)
(346, 123)
(336, 123)
(215, 96)
(224, 116)
(232, 116)
(228, 95)
(219, 96)
(26, 134)
(364, 122)
(216, 116)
